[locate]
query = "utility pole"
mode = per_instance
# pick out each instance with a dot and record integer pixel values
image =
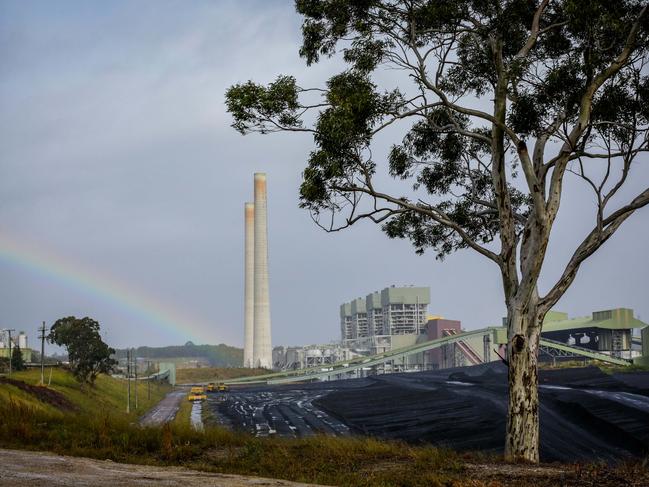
(148, 380)
(42, 337)
(9, 330)
(128, 381)
(135, 367)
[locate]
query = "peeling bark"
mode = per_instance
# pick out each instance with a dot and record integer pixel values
(522, 440)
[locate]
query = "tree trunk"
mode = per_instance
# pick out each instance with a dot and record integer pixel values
(522, 441)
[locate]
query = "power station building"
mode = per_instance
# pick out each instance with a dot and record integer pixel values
(393, 311)
(609, 331)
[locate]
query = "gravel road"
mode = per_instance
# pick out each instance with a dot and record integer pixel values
(29, 469)
(165, 410)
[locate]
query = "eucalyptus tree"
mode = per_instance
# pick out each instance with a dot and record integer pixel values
(88, 354)
(488, 90)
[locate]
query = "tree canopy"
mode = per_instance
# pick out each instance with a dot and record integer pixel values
(89, 356)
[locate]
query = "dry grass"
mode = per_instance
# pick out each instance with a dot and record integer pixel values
(108, 433)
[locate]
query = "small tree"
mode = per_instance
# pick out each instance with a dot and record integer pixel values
(17, 362)
(489, 88)
(87, 353)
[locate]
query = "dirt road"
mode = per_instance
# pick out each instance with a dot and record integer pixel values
(29, 469)
(165, 410)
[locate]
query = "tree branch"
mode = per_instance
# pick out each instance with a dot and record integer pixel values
(593, 241)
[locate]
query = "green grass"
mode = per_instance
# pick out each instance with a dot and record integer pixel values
(108, 395)
(184, 413)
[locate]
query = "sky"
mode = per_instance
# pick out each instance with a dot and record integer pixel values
(122, 186)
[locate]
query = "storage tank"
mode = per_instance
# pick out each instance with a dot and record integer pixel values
(22, 340)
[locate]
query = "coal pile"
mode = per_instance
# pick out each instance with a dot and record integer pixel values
(586, 415)
(283, 413)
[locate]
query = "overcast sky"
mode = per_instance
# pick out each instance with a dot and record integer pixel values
(118, 163)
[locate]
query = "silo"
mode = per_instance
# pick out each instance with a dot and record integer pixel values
(249, 287)
(22, 340)
(262, 350)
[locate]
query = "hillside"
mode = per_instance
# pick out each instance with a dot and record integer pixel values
(221, 355)
(65, 394)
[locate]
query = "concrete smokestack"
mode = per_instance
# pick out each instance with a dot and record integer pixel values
(249, 289)
(262, 350)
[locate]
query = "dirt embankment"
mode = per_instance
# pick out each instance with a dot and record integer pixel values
(44, 394)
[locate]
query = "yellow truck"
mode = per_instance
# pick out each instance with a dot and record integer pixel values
(197, 394)
(223, 388)
(211, 386)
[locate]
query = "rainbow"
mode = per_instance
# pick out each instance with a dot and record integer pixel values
(24, 254)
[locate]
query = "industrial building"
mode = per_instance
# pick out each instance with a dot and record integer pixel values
(359, 318)
(644, 359)
(20, 340)
(292, 358)
(393, 311)
(608, 331)
(346, 321)
(374, 314)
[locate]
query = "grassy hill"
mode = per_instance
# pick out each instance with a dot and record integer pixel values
(65, 394)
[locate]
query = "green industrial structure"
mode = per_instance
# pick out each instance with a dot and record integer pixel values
(608, 331)
(372, 364)
(605, 336)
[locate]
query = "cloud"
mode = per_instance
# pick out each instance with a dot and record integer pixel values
(116, 150)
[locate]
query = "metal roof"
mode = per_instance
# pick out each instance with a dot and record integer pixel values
(613, 319)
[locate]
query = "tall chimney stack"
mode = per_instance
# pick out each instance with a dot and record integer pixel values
(262, 350)
(249, 289)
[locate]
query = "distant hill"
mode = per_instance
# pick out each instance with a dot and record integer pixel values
(221, 355)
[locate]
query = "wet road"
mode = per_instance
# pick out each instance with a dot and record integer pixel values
(288, 414)
(165, 410)
(196, 416)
